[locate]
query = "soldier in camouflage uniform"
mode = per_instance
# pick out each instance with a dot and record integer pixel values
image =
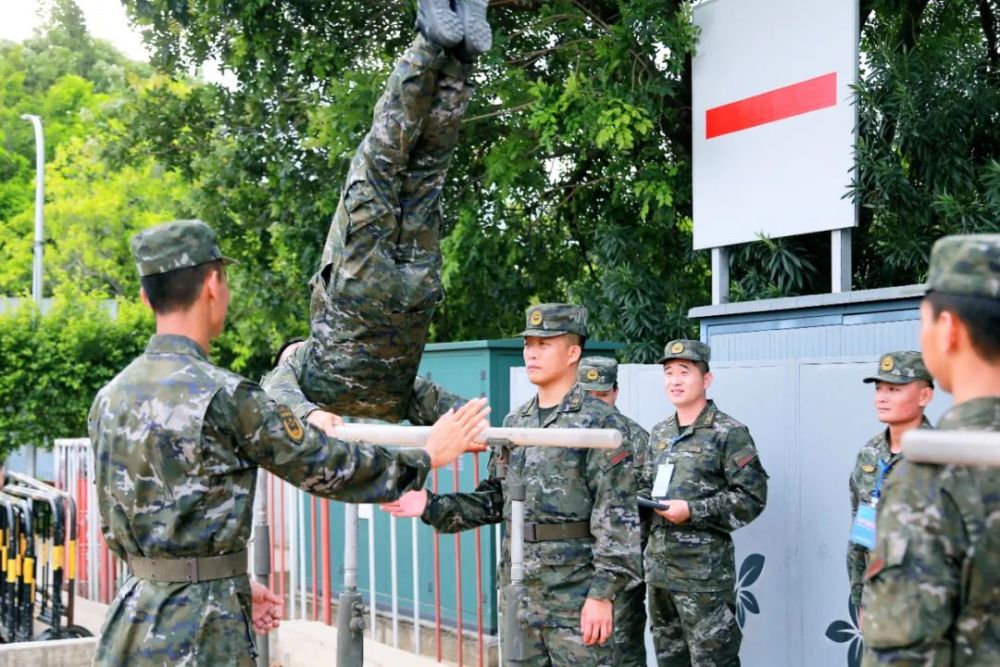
(599, 377)
(703, 465)
(177, 442)
(379, 279)
(903, 388)
(932, 590)
(426, 404)
(581, 518)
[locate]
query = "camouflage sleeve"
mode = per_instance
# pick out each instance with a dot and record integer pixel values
(913, 585)
(428, 401)
(745, 495)
(646, 474)
(269, 434)
(455, 512)
(614, 521)
(104, 506)
(282, 385)
(856, 554)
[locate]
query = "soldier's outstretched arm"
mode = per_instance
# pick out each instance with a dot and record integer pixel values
(455, 512)
(745, 494)
(271, 435)
(614, 521)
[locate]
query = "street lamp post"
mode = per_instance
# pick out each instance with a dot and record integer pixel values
(39, 246)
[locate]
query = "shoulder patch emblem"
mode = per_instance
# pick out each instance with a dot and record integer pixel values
(887, 364)
(676, 348)
(592, 374)
(536, 317)
(620, 456)
(876, 566)
(868, 469)
(745, 460)
(291, 424)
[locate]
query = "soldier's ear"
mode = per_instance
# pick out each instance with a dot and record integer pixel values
(708, 377)
(926, 396)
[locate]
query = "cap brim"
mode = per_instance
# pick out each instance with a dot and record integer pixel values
(678, 357)
(541, 333)
(596, 386)
(226, 261)
(891, 379)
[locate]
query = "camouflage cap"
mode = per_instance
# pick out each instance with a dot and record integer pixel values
(179, 244)
(967, 265)
(901, 368)
(555, 319)
(597, 373)
(692, 350)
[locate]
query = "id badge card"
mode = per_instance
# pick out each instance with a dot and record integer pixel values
(863, 530)
(661, 483)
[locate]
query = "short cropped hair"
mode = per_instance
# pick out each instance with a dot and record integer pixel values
(177, 290)
(980, 315)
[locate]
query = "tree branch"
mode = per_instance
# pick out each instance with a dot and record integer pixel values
(988, 21)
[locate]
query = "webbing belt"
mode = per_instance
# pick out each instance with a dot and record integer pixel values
(191, 570)
(547, 532)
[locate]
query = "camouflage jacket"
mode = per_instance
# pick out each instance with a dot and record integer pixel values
(862, 483)
(932, 590)
(426, 403)
(177, 443)
(562, 486)
(718, 472)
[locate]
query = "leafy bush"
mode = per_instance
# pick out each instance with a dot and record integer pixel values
(54, 364)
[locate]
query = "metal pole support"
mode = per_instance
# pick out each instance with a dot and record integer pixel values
(515, 641)
(350, 607)
(262, 559)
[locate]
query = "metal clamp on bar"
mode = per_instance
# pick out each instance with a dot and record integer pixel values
(970, 448)
(416, 436)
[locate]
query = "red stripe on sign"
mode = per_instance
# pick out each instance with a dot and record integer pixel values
(777, 104)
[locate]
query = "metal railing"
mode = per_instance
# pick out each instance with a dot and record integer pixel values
(307, 560)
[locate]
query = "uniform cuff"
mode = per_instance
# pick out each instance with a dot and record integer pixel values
(699, 513)
(602, 587)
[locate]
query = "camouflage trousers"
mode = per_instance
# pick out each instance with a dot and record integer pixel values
(557, 647)
(629, 637)
(380, 276)
(694, 629)
(154, 624)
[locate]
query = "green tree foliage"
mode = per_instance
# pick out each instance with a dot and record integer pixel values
(928, 150)
(76, 84)
(54, 365)
(571, 182)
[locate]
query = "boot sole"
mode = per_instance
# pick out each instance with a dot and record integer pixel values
(442, 25)
(478, 35)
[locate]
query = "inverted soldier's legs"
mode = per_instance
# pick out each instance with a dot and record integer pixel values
(710, 627)
(630, 626)
(370, 310)
(668, 632)
(418, 242)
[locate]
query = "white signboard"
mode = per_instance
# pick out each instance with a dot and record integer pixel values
(773, 118)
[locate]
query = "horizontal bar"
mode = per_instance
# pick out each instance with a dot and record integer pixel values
(973, 448)
(416, 436)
